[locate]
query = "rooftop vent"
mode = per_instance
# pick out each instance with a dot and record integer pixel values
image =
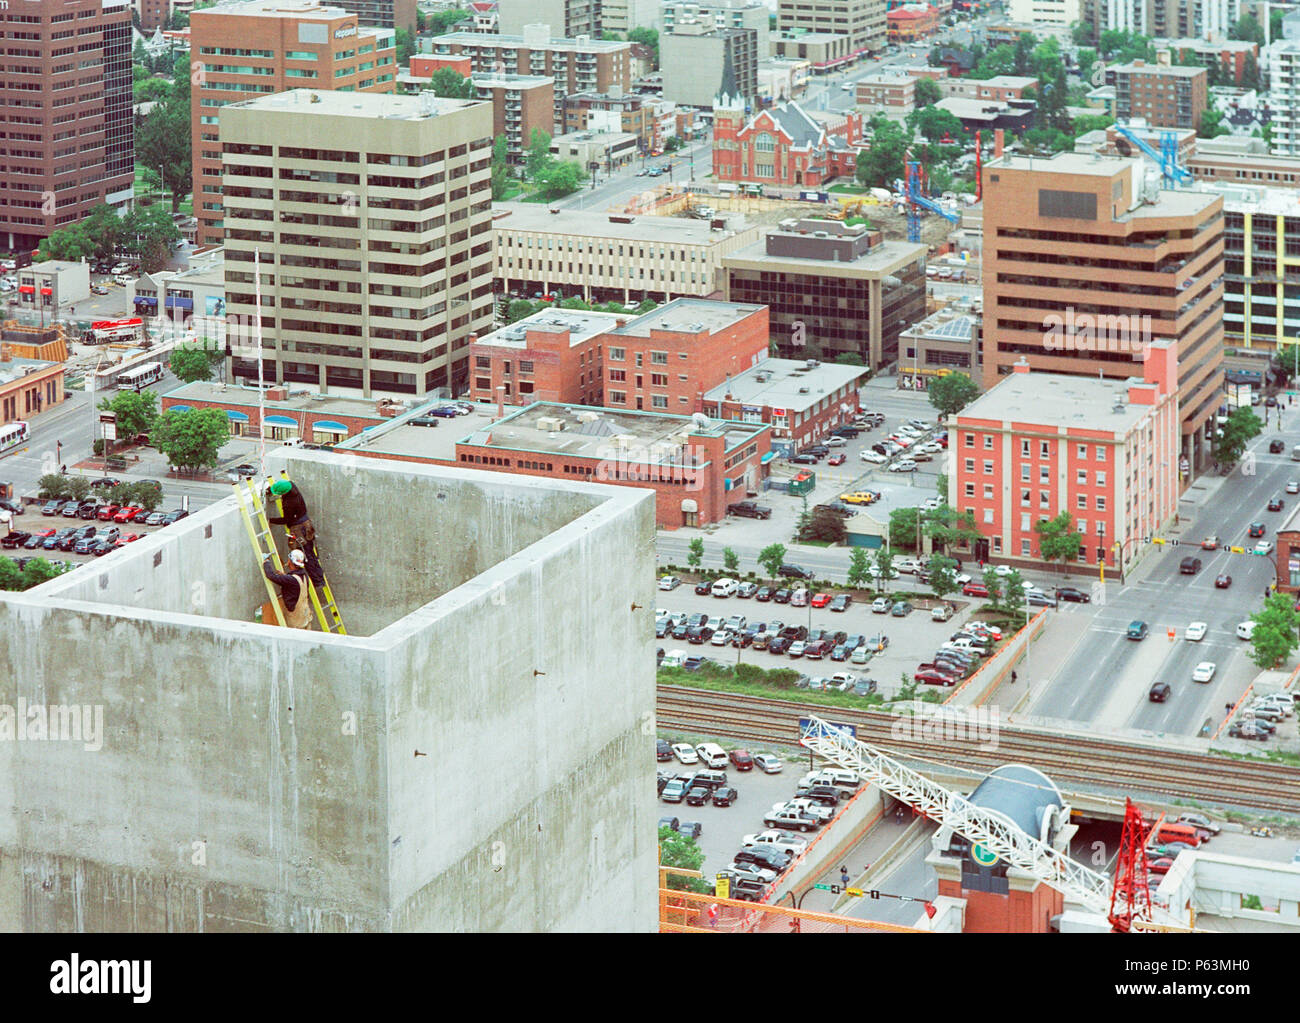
(803, 390)
(550, 423)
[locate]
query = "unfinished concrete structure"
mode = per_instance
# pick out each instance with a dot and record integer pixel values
(473, 756)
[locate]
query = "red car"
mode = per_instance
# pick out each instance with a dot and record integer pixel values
(975, 589)
(1161, 866)
(820, 599)
(122, 541)
(126, 513)
(836, 459)
(106, 513)
(741, 759)
(934, 678)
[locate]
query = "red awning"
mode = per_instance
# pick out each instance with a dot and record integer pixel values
(26, 289)
(47, 291)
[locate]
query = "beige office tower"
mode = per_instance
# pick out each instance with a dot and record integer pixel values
(372, 216)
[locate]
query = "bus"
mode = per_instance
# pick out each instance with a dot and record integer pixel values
(104, 332)
(12, 434)
(139, 376)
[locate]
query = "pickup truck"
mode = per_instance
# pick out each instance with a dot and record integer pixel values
(805, 806)
(786, 818)
(749, 510)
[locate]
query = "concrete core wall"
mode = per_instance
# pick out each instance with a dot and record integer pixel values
(478, 762)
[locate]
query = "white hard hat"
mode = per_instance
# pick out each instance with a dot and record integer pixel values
(298, 557)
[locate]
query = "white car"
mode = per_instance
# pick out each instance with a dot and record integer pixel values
(930, 447)
(835, 442)
(963, 578)
(1196, 631)
(725, 588)
(903, 465)
(685, 752)
(768, 763)
(908, 566)
(1003, 570)
(776, 839)
(933, 504)
(860, 655)
(873, 456)
(721, 638)
(1245, 630)
(880, 606)
(919, 424)
(1203, 672)
(1293, 487)
(799, 598)
(807, 807)
(669, 582)
(1263, 547)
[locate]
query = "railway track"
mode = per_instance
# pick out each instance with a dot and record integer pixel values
(1073, 761)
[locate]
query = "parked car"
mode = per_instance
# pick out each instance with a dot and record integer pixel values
(881, 606)
(975, 589)
(749, 510)
(746, 590)
(725, 796)
(901, 609)
(685, 753)
(794, 572)
(768, 763)
(1073, 595)
(741, 759)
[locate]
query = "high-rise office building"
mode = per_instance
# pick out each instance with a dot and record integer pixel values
(265, 47)
(1163, 95)
(863, 21)
(392, 14)
(65, 100)
(698, 61)
(1087, 261)
(376, 252)
(568, 18)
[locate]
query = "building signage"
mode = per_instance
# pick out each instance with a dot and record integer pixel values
(779, 412)
(345, 31)
(751, 408)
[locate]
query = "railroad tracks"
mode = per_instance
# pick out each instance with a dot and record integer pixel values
(1074, 761)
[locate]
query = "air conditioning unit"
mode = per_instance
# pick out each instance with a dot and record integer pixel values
(588, 417)
(550, 423)
(803, 390)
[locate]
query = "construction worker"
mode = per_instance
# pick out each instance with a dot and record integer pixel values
(293, 589)
(7, 520)
(302, 532)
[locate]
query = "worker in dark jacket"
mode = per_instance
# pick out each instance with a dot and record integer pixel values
(302, 532)
(293, 590)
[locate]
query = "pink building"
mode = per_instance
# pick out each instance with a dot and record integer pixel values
(1038, 444)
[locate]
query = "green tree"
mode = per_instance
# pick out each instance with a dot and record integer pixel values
(41, 570)
(190, 363)
(904, 528)
(500, 168)
(952, 392)
(136, 412)
(139, 55)
(695, 553)
(1001, 60)
(1058, 540)
(943, 576)
(934, 123)
(1013, 592)
(859, 567)
(163, 146)
(676, 850)
(927, 92)
(443, 20)
(1248, 30)
(561, 177)
(182, 78)
(1230, 440)
(650, 38)
(885, 570)
(849, 359)
(574, 302)
(1081, 34)
(1211, 125)
(1023, 52)
(882, 163)
(1275, 637)
(518, 309)
(191, 440)
(730, 560)
(141, 494)
(824, 525)
(52, 485)
(405, 45)
(539, 153)
(993, 583)
(947, 527)
(78, 488)
(11, 576)
(95, 237)
(1250, 72)
(1086, 58)
(151, 90)
(772, 557)
(451, 84)
(155, 235)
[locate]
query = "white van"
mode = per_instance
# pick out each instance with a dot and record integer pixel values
(673, 659)
(725, 588)
(1245, 630)
(713, 755)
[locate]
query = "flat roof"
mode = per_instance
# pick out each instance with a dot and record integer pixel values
(301, 9)
(1099, 164)
(779, 383)
(1178, 70)
(299, 400)
(689, 315)
(1058, 400)
(944, 325)
(881, 259)
(554, 43)
(503, 79)
(526, 216)
(581, 324)
(16, 369)
(1255, 199)
(366, 105)
(970, 108)
(1011, 81)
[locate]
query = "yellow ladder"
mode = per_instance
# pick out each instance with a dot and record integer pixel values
(259, 532)
(327, 609)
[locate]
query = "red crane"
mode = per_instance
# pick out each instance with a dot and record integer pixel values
(1131, 894)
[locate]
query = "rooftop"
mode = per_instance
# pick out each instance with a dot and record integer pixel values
(304, 400)
(880, 259)
(1255, 199)
(580, 324)
(945, 325)
(970, 109)
(492, 42)
(525, 216)
(1057, 400)
(209, 268)
(16, 369)
(688, 315)
(1139, 67)
(489, 79)
(300, 9)
(367, 105)
(1011, 81)
(781, 383)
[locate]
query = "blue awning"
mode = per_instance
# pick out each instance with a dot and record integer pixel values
(238, 417)
(177, 408)
(329, 426)
(767, 458)
(280, 421)
(176, 302)
(146, 300)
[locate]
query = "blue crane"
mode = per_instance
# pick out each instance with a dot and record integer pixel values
(1166, 158)
(916, 201)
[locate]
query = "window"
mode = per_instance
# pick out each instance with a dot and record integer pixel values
(658, 401)
(1083, 501)
(1101, 479)
(617, 375)
(988, 468)
(1081, 477)
(1024, 522)
(617, 354)
(525, 366)
(1024, 448)
(1101, 453)
(970, 440)
(988, 442)
(1044, 499)
(1044, 474)
(970, 489)
(618, 397)
(1101, 503)
(988, 491)
(1024, 548)
(1045, 449)
(988, 515)
(1024, 472)
(1083, 526)
(659, 358)
(970, 465)
(1083, 452)
(1024, 497)
(764, 143)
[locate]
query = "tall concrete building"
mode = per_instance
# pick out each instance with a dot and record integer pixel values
(569, 18)
(1044, 12)
(377, 255)
(833, 289)
(698, 61)
(272, 779)
(621, 16)
(862, 21)
(65, 98)
(1162, 94)
(1283, 57)
(265, 47)
(1087, 261)
(723, 14)
(392, 14)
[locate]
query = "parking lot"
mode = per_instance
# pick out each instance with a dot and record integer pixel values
(33, 522)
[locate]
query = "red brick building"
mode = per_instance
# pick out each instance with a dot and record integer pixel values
(662, 361)
(911, 22)
(289, 417)
(784, 145)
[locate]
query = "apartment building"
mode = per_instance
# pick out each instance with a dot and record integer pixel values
(264, 47)
(946, 341)
(832, 288)
(153, 14)
(377, 255)
(721, 14)
(622, 16)
(569, 18)
(802, 400)
(613, 112)
(1105, 451)
(1164, 95)
(1087, 260)
(782, 78)
(862, 21)
(1256, 167)
(65, 92)
(999, 89)
(663, 360)
(886, 92)
(1232, 55)
(393, 14)
(698, 61)
(604, 257)
(521, 104)
(1044, 12)
(1284, 93)
(576, 65)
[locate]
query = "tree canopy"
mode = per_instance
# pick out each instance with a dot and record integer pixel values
(952, 392)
